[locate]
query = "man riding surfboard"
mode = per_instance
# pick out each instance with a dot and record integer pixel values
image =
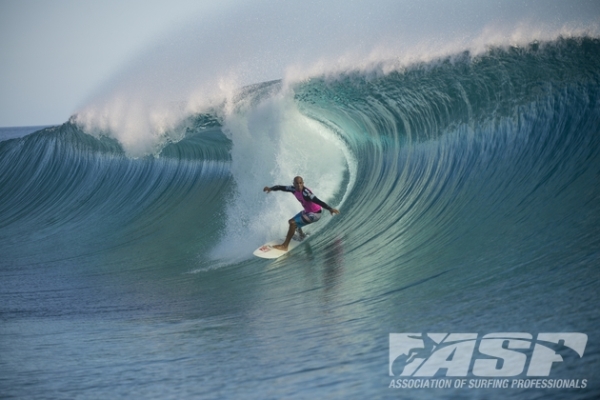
(311, 213)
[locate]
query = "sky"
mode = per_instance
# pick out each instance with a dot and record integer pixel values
(57, 56)
(56, 53)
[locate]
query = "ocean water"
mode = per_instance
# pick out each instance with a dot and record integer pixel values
(469, 194)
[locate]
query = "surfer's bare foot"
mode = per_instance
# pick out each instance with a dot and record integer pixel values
(280, 247)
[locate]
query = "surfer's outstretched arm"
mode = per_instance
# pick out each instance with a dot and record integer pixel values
(279, 188)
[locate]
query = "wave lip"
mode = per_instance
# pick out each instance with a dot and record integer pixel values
(204, 64)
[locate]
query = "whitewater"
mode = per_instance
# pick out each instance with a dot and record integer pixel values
(467, 181)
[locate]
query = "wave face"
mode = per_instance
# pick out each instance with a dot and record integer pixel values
(470, 153)
(469, 198)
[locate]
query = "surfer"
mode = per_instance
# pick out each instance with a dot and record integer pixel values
(311, 213)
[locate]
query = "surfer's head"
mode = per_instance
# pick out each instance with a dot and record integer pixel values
(298, 183)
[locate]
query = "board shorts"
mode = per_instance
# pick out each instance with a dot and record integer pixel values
(303, 218)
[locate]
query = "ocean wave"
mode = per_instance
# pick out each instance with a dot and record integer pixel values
(416, 159)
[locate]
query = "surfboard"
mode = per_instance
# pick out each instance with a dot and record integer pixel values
(267, 250)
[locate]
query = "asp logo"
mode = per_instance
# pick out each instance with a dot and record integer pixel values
(499, 354)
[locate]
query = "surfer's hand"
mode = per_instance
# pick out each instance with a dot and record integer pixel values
(334, 211)
(267, 189)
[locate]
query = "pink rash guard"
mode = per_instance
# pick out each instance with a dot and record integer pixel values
(309, 201)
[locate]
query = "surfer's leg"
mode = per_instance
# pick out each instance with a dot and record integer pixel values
(288, 238)
(300, 220)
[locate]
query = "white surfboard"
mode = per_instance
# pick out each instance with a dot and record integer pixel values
(268, 251)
